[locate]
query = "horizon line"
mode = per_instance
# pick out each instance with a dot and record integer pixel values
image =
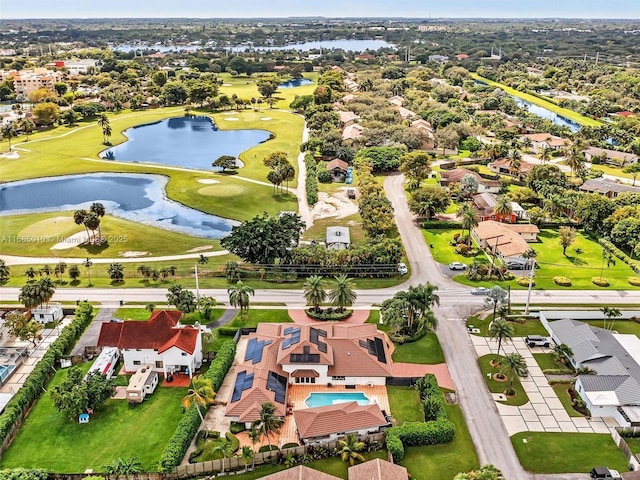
(321, 17)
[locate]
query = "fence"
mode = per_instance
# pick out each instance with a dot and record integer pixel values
(634, 463)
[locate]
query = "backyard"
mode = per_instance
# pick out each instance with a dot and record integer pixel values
(567, 452)
(50, 441)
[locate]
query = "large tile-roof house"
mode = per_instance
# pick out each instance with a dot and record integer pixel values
(160, 341)
(278, 355)
(300, 472)
(485, 203)
(503, 166)
(542, 140)
(507, 241)
(376, 469)
(611, 156)
(456, 175)
(607, 188)
(614, 391)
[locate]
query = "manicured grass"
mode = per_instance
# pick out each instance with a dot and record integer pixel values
(547, 362)
(425, 350)
(446, 460)
(620, 326)
(132, 314)
(318, 230)
(404, 403)
(564, 112)
(567, 452)
(615, 171)
(255, 316)
(50, 441)
(529, 327)
(500, 387)
(634, 444)
(443, 252)
(565, 398)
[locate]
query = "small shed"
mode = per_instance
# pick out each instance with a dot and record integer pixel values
(49, 313)
(338, 169)
(142, 383)
(338, 238)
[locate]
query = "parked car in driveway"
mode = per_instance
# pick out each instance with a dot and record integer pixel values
(457, 266)
(606, 473)
(402, 269)
(480, 291)
(515, 266)
(537, 341)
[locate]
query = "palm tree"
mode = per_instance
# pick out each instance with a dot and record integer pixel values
(468, 220)
(201, 394)
(495, 296)
(343, 294)
(247, 455)
(254, 435)
(150, 307)
(268, 423)
(500, 330)
(106, 133)
(4, 271)
(545, 154)
(98, 209)
(515, 162)
(350, 449)
(8, 132)
(103, 122)
(314, 291)
(239, 296)
(79, 217)
(87, 263)
(26, 125)
(574, 158)
(503, 206)
(610, 313)
(562, 352)
(513, 364)
(122, 466)
(224, 448)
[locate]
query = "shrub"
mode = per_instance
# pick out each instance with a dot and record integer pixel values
(557, 371)
(328, 316)
(311, 181)
(266, 448)
(237, 427)
(524, 282)
(324, 176)
(24, 474)
(635, 281)
(600, 281)
(610, 247)
(233, 441)
(290, 445)
(418, 434)
(562, 281)
(440, 225)
(227, 331)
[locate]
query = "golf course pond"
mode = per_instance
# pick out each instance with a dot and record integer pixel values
(137, 197)
(189, 141)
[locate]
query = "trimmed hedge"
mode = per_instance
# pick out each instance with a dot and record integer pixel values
(237, 427)
(36, 382)
(600, 281)
(233, 441)
(189, 423)
(311, 181)
(524, 282)
(23, 474)
(635, 281)
(325, 316)
(611, 248)
(266, 448)
(440, 225)
(227, 331)
(562, 281)
(290, 445)
(433, 432)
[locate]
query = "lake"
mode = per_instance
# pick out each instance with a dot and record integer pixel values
(295, 82)
(347, 45)
(140, 198)
(193, 142)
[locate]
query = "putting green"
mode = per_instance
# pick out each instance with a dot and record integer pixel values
(55, 226)
(223, 190)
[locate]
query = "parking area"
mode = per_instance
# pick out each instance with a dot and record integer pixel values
(543, 412)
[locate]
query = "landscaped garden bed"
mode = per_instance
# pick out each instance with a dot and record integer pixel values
(491, 367)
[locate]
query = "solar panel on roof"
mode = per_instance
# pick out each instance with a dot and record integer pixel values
(288, 330)
(277, 384)
(315, 335)
(374, 347)
(243, 382)
(293, 339)
(382, 357)
(251, 348)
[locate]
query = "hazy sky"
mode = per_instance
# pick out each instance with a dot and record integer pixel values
(327, 8)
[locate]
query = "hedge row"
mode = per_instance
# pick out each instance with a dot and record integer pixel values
(440, 225)
(189, 423)
(611, 248)
(435, 431)
(326, 316)
(36, 382)
(311, 182)
(227, 331)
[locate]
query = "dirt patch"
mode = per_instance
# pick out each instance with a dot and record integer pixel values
(72, 241)
(208, 181)
(133, 254)
(337, 205)
(200, 249)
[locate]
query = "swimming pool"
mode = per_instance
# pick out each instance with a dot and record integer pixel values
(321, 399)
(5, 372)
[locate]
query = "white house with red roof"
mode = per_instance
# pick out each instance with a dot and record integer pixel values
(160, 341)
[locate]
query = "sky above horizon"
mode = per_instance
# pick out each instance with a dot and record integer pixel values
(620, 9)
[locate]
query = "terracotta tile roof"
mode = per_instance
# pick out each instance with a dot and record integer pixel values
(352, 132)
(160, 333)
(378, 469)
(405, 112)
(342, 417)
(346, 117)
(337, 163)
(525, 166)
(305, 373)
(457, 174)
(300, 472)
(499, 236)
(396, 100)
(539, 137)
(524, 228)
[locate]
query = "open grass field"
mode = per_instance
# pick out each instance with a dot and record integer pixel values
(567, 452)
(318, 231)
(520, 398)
(50, 441)
(563, 112)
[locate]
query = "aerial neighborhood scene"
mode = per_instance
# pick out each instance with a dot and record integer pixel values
(333, 240)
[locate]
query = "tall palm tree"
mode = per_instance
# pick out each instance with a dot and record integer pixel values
(4, 271)
(513, 364)
(79, 217)
(201, 394)
(254, 435)
(8, 132)
(103, 122)
(106, 133)
(247, 455)
(574, 158)
(610, 314)
(314, 291)
(500, 330)
(545, 154)
(239, 296)
(468, 220)
(495, 296)
(515, 162)
(26, 125)
(503, 206)
(225, 449)
(562, 352)
(343, 294)
(98, 209)
(268, 422)
(350, 449)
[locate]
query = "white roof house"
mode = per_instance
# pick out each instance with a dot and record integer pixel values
(338, 238)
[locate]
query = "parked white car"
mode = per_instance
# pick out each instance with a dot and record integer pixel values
(457, 266)
(402, 269)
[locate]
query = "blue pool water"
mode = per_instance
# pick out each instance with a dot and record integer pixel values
(321, 399)
(193, 142)
(5, 371)
(135, 197)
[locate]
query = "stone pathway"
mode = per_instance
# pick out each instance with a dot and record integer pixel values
(544, 412)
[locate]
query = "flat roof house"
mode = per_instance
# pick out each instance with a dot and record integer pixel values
(337, 238)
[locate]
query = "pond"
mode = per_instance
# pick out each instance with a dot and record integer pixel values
(192, 142)
(347, 45)
(140, 198)
(547, 114)
(295, 82)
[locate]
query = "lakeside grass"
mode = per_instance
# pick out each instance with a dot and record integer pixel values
(563, 112)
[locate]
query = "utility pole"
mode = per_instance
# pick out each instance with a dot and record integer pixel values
(533, 269)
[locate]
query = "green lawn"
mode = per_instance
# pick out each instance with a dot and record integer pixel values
(255, 316)
(621, 326)
(132, 313)
(567, 452)
(561, 390)
(547, 362)
(443, 252)
(528, 327)
(404, 403)
(444, 461)
(425, 350)
(499, 387)
(50, 441)
(564, 112)
(634, 444)
(318, 230)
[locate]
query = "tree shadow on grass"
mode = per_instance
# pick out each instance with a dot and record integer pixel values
(577, 261)
(94, 249)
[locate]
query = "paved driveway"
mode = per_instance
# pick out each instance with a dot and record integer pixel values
(543, 412)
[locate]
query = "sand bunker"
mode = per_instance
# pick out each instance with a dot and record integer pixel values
(337, 205)
(265, 118)
(133, 254)
(208, 181)
(200, 249)
(12, 155)
(72, 241)
(227, 85)
(232, 119)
